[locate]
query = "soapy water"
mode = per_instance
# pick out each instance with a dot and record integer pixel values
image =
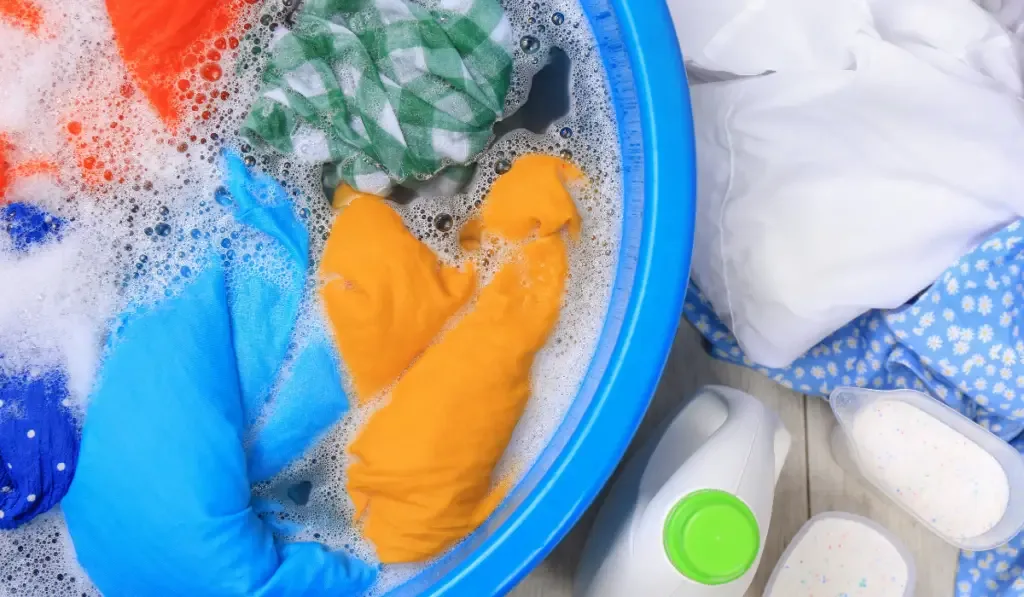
(137, 234)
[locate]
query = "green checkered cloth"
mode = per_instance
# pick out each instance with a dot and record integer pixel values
(386, 91)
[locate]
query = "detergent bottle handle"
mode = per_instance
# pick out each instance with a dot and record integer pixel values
(742, 451)
(783, 442)
(743, 456)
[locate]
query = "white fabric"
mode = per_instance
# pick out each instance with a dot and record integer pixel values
(751, 37)
(951, 34)
(824, 194)
(1009, 13)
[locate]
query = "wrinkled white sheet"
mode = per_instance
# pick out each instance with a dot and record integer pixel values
(885, 141)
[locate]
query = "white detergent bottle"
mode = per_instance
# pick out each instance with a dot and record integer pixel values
(689, 515)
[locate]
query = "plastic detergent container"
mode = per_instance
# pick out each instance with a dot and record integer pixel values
(836, 553)
(690, 512)
(648, 89)
(959, 480)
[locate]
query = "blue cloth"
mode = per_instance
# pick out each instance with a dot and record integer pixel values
(28, 225)
(38, 434)
(38, 445)
(161, 503)
(960, 340)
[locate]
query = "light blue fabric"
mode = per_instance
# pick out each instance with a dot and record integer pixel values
(161, 503)
(960, 341)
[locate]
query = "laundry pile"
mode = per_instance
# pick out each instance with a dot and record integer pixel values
(859, 200)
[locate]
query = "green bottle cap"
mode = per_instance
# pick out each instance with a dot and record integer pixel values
(712, 537)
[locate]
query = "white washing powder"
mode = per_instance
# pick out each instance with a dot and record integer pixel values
(933, 470)
(838, 556)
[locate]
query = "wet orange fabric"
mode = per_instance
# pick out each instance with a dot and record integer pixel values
(22, 13)
(10, 172)
(161, 40)
(421, 477)
(5, 167)
(531, 198)
(385, 292)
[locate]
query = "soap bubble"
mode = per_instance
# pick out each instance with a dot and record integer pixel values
(529, 44)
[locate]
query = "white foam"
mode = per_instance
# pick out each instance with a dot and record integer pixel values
(54, 303)
(39, 559)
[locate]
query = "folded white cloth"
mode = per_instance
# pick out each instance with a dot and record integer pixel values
(824, 194)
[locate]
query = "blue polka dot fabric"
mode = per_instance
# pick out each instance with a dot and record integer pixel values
(38, 434)
(959, 340)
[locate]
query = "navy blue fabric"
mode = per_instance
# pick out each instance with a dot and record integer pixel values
(38, 433)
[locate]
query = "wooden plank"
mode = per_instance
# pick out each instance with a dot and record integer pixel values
(688, 368)
(832, 489)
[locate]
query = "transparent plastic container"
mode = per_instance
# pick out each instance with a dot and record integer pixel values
(897, 545)
(848, 402)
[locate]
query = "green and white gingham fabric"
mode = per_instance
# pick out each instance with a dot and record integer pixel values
(386, 91)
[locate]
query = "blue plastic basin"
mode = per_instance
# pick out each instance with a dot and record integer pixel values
(648, 87)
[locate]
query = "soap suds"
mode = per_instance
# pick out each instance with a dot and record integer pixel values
(946, 478)
(840, 556)
(53, 310)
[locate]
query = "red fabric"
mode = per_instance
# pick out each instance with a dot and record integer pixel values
(22, 13)
(162, 41)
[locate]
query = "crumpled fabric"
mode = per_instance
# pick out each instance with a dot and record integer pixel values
(959, 340)
(789, 161)
(729, 38)
(422, 466)
(38, 432)
(1009, 13)
(386, 92)
(199, 396)
(386, 294)
(791, 158)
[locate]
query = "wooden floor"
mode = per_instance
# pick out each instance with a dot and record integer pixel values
(811, 481)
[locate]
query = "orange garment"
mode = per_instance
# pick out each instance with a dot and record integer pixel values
(422, 473)
(172, 49)
(10, 172)
(5, 168)
(531, 198)
(22, 13)
(385, 292)
(28, 16)
(161, 40)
